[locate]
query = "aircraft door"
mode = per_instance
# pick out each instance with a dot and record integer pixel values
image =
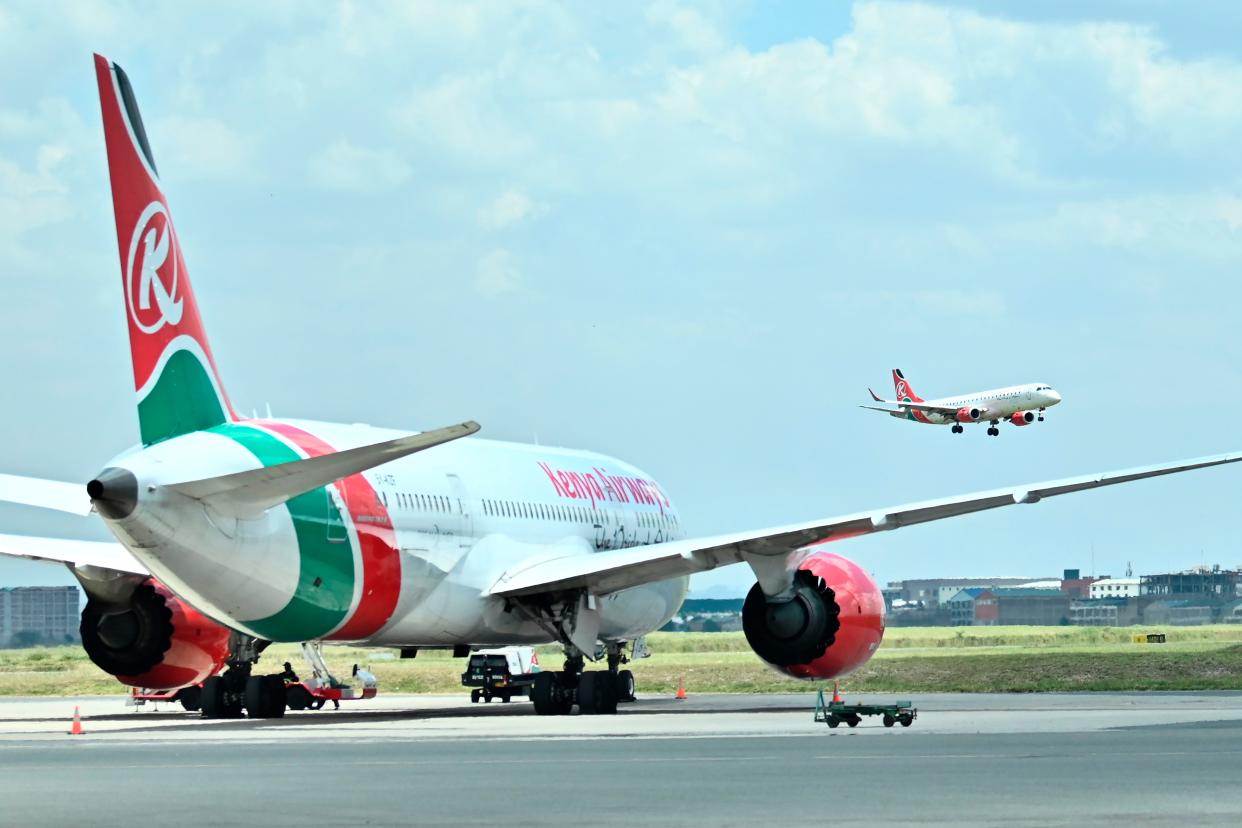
(464, 523)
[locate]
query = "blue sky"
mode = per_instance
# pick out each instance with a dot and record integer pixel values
(689, 236)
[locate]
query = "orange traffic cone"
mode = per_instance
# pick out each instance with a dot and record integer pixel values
(836, 693)
(681, 689)
(76, 729)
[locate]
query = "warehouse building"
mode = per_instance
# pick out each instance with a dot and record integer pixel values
(31, 616)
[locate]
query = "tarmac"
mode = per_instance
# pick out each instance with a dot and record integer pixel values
(1042, 759)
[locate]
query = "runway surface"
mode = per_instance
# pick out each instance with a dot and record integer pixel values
(1051, 759)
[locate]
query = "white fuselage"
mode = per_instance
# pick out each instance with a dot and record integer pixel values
(406, 556)
(996, 405)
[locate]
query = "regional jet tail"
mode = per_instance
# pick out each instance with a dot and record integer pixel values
(1019, 404)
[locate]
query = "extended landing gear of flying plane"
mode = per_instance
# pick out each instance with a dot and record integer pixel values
(993, 431)
(1041, 415)
(957, 428)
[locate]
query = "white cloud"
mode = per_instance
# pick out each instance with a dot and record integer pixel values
(498, 275)
(507, 209)
(347, 168)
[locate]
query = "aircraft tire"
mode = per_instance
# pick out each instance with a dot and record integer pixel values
(597, 694)
(213, 702)
(550, 695)
(626, 686)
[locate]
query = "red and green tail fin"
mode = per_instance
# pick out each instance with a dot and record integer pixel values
(902, 389)
(178, 387)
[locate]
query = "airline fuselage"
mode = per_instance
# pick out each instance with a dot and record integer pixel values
(402, 555)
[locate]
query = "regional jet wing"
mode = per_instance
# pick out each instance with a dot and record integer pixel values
(775, 553)
(78, 553)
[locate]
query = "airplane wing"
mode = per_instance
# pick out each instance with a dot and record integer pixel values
(106, 555)
(897, 411)
(785, 547)
(46, 494)
(942, 409)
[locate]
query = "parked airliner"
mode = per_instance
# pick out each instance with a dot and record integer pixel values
(1019, 404)
(232, 533)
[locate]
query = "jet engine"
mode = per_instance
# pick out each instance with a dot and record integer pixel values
(153, 639)
(831, 626)
(1023, 418)
(969, 415)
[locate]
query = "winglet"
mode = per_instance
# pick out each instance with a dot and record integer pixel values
(874, 395)
(251, 492)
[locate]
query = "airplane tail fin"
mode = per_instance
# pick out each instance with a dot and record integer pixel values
(902, 388)
(175, 376)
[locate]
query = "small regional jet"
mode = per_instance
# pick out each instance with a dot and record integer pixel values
(234, 532)
(1019, 404)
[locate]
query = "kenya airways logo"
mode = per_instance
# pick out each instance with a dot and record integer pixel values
(152, 282)
(901, 389)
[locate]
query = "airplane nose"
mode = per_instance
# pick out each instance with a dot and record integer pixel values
(1056, 398)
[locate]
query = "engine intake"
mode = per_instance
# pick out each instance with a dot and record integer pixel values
(831, 626)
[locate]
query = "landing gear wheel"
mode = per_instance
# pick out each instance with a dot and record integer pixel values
(626, 686)
(551, 695)
(298, 697)
(265, 697)
(993, 431)
(889, 721)
(215, 703)
(191, 698)
(597, 694)
(957, 429)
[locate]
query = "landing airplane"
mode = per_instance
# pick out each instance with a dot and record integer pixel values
(232, 533)
(1019, 404)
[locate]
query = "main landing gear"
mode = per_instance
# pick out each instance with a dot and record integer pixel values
(993, 431)
(957, 428)
(596, 692)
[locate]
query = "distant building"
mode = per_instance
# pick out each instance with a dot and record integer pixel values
(1115, 588)
(986, 611)
(38, 615)
(1204, 582)
(1076, 586)
(927, 592)
(1045, 607)
(961, 606)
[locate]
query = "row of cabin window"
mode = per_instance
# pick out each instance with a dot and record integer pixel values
(428, 503)
(580, 514)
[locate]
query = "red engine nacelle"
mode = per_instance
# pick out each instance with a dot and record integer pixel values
(1023, 418)
(831, 627)
(154, 641)
(969, 415)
